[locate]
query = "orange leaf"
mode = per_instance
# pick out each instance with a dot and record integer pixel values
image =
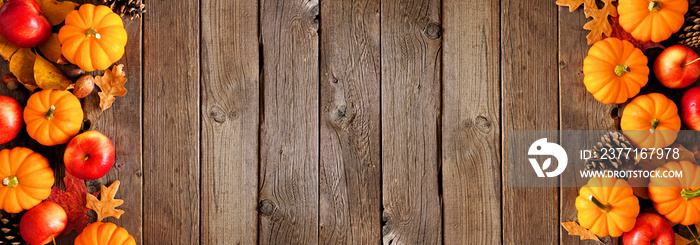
(107, 206)
(6, 49)
(52, 50)
(22, 66)
(575, 229)
(111, 84)
(56, 11)
(600, 24)
(48, 76)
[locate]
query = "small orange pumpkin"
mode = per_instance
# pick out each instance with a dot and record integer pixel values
(53, 117)
(607, 206)
(99, 233)
(26, 177)
(651, 121)
(93, 37)
(653, 20)
(614, 70)
(677, 198)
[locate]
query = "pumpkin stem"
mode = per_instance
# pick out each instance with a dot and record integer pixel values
(655, 6)
(49, 114)
(654, 124)
(688, 194)
(605, 207)
(621, 70)
(92, 33)
(687, 64)
(11, 182)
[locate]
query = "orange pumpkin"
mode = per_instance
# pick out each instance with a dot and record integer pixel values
(652, 20)
(677, 198)
(26, 177)
(93, 37)
(614, 70)
(607, 206)
(53, 117)
(99, 233)
(651, 120)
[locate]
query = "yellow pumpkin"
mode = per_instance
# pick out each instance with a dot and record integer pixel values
(26, 177)
(614, 70)
(93, 37)
(607, 206)
(652, 20)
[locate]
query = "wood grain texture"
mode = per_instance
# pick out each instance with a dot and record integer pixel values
(471, 134)
(230, 114)
(410, 121)
(171, 123)
(290, 125)
(350, 167)
(529, 102)
(579, 110)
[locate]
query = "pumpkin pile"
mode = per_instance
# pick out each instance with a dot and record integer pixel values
(53, 68)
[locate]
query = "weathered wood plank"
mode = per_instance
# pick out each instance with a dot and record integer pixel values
(471, 133)
(578, 109)
(230, 114)
(350, 167)
(290, 125)
(529, 102)
(171, 123)
(410, 121)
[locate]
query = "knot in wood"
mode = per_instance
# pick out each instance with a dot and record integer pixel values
(342, 115)
(218, 115)
(267, 207)
(482, 124)
(433, 31)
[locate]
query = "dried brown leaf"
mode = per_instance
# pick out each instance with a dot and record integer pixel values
(106, 207)
(575, 229)
(111, 84)
(600, 24)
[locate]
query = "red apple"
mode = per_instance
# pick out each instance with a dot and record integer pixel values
(10, 119)
(677, 67)
(89, 155)
(690, 108)
(23, 24)
(650, 229)
(41, 224)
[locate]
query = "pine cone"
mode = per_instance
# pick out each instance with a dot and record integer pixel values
(131, 8)
(689, 35)
(9, 229)
(610, 140)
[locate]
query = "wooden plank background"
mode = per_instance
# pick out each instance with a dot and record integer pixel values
(340, 122)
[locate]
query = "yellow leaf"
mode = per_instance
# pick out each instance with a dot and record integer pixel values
(106, 207)
(111, 84)
(575, 229)
(56, 11)
(22, 66)
(7, 49)
(48, 76)
(52, 50)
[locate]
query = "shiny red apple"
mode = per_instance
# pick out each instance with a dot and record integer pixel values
(650, 229)
(89, 155)
(23, 24)
(677, 67)
(10, 119)
(690, 108)
(41, 224)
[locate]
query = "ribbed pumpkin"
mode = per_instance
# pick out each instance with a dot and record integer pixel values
(93, 37)
(677, 198)
(652, 20)
(607, 206)
(99, 233)
(26, 177)
(53, 117)
(651, 120)
(614, 70)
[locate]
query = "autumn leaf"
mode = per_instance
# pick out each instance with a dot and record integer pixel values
(111, 84)
(6, 49)
(48, 76)
(72, 202)
(575, 229)
(106, 206)
(600, 24)
(56, 11)
(52, 50)
(22, 66)
(685, 235)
